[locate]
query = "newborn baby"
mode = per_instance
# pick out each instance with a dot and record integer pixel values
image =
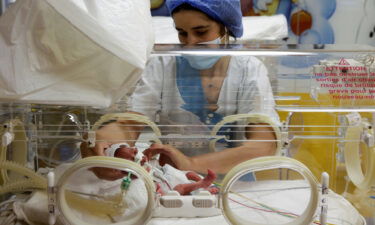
(167, 178)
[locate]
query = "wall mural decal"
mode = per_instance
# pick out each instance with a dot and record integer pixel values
(308, 20)
(159, 8)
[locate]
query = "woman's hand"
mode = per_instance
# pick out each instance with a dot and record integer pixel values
(169, 155)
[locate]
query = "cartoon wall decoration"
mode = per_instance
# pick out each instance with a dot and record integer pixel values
(366, 30)
(308, 20)
(159, 8)
(321, 21)
(354, 22)
(312, 21)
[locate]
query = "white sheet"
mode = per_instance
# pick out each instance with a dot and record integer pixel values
(340, 211)
(291, 193)
(73, 52)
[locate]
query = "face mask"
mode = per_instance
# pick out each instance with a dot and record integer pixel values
(201, 62)
(205, 61)
(216, 41)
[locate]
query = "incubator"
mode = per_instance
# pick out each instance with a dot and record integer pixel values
(320, 110)
(64, 101)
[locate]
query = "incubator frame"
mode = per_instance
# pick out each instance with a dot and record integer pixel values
(19, 132)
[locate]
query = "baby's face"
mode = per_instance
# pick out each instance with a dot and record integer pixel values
(125, 152)
(129, 153)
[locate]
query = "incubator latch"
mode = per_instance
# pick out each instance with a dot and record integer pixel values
(171, 200)
(8, 135)
(368, 134)
(91, 138)
(369, 139)
(203, 200)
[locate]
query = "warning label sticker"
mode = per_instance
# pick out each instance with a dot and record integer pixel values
(346, 79)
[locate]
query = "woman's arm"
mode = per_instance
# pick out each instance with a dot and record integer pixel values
(263, 144)
(220, 162)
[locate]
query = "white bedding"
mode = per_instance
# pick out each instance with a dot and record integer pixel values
(292, 195)
(286, 196)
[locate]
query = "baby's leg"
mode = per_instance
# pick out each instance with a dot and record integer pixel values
(185, 189)
(193, 176)
(158, 189)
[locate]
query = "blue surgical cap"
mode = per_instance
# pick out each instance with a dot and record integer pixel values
(227, 12)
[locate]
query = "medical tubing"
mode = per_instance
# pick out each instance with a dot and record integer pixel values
(20, 185)
(3, 172)
(128, 116)
(35, 179)
(353, 159)
(9, 220)
(265, 163)
(107, 162)
(250, 118)
(19, 146)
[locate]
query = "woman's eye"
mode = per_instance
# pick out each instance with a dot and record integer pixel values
(201, 33)
(182, 34)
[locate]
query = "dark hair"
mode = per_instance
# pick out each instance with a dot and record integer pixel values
(186, 7)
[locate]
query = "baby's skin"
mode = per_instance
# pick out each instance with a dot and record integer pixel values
(130, 153)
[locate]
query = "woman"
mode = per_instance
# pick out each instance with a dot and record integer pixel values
(201, 90)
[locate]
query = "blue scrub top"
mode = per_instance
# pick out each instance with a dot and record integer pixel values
(189, 84)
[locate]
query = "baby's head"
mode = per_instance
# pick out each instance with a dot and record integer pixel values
(124, 151)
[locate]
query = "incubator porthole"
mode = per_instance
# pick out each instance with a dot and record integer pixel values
(105, 191)
(278, 194)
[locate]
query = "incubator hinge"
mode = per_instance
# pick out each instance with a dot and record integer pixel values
(91, 135)
(284, 139)
(51, 194)
(324, 202)
(368, 134)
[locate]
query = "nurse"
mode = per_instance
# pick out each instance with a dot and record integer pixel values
(200, 90)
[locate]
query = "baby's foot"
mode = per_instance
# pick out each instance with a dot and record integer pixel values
(209, 179)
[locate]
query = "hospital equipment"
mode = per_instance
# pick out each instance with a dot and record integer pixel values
(43, 124)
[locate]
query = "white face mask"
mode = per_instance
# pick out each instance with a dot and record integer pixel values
(204, 62)
(216, 41)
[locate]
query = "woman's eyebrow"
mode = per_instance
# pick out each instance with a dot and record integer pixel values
(194, 28)
(200, 27)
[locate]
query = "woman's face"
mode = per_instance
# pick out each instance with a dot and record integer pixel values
(195, 27)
